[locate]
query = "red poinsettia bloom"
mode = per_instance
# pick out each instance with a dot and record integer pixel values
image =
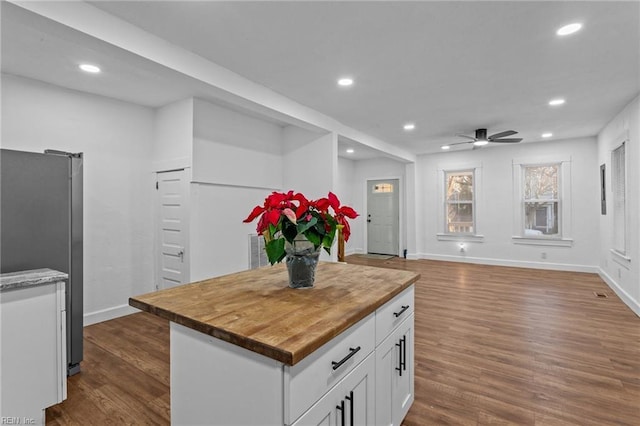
(285, 215)
(271, 210)
(341, 213)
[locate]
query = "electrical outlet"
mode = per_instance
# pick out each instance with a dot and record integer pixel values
(543, 255)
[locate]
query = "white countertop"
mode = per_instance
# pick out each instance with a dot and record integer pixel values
(33, 277)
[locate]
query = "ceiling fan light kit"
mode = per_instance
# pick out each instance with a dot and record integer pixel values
(482, 139)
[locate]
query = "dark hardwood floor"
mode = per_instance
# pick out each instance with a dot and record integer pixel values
(494, 346)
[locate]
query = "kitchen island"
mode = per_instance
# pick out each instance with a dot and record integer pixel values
(247, 349)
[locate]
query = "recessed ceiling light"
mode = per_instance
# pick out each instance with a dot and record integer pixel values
(480, 143)
(445, 147)
(569, 29)
(89, 68)
(345, 81)
(556, 102)
(547, 135)
(350, 151)
(409, 126)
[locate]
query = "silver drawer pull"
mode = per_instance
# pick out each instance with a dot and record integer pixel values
(352, 352)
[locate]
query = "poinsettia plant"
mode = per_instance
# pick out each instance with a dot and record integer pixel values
(285, 215)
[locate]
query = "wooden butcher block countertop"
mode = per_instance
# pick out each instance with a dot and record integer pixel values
(258, 311)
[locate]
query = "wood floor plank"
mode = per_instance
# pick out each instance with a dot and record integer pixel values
(493, 346)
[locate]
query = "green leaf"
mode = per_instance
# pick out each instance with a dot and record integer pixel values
(275, 250)
(327, 241)
(302, 227)
(320, 228)
(272, 230)
(290, 231)
(314, 238)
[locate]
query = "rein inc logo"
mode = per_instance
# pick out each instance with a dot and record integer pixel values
(5, 420)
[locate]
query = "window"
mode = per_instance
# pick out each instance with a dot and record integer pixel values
(382, 187)
(459, 202)
(541, 200)
(618, 182)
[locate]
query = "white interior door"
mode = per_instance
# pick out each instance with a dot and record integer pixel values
(172, 215)
(383, 216)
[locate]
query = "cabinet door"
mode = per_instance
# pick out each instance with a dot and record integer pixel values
(395, 375)
(30, 362)
(349, 403)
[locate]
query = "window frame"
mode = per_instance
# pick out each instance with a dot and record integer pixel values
(563, 237)
(448, 203)
(441, 217)
(620, 256)
(558, 199)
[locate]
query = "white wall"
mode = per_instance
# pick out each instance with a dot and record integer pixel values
(237, 162)
(495, 205)
(623, 276)
(116, 139)
(310, 162)
(173, 136)
(345, 189)
(231, 148)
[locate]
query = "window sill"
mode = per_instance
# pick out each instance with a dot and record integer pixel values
(460, 237)
(621, 259)
(557, 242)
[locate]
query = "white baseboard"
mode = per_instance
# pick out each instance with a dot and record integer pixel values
(626, 298)
(508, 262)
(108, 314)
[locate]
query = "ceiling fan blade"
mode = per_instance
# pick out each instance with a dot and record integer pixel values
(503, 134)
(459, 143)
(508, 140)
(465, 136)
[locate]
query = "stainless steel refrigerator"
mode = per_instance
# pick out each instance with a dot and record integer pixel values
(41, 226)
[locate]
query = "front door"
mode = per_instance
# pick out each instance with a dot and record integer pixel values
(171, 230)
(383, 205)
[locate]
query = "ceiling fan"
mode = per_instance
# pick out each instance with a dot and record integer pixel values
(481, 138)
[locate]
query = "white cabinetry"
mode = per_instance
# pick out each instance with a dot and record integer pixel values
(363, 376)
(350, 402)
(394, 359)
(33, 372)
(307, 381)
(394, 375)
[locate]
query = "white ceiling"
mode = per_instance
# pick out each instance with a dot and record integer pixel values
(449, 67)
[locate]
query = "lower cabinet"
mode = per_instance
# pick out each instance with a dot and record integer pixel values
(394, 375)
(33, 372)
(350, 402)
(364, 376)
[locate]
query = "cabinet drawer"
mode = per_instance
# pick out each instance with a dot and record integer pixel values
(312, 377)
(392, 313)
(351, 401)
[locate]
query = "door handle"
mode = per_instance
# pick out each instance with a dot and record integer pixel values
(341, 408)
(350, 399)
(352, 352)
(404, 308)
(181, 254)
(399, 367)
